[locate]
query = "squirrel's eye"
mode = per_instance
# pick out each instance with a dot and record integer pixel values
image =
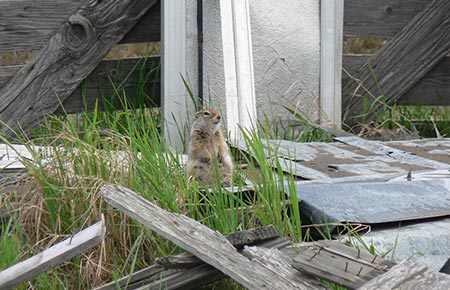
(206, 113)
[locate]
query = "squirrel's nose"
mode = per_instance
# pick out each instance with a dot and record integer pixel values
(218, 117)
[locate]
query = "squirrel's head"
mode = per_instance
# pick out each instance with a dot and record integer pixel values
(208, 120)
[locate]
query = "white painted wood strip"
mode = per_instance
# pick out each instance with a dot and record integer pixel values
(381, 149)
(53, 256)
(173, 60)
(208, 245)
(331, 35)
(238, 66)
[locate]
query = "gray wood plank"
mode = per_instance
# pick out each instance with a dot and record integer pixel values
(208, 245)
(381, 149)
(183, 271)
(70, 55)
(52, 257)
(379, 18)
(275, 260)
(401, 63)
(396, 277)
(29, 24)
(340, 264)
(86, 96)
(431, 90)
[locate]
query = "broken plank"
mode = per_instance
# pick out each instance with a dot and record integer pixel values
(340, 264)
(208, 245)
(53, 256)
(397, 276)
(191, 272)
(281, 264)
(381, 149)
(71, 54)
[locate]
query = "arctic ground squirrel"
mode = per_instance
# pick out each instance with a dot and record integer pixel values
(208, 154)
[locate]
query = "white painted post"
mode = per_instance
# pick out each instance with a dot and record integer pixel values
(173, 65)
(331, 26)
(238, 66)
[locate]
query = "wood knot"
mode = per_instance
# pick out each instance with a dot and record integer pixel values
(389, 10)
(78, 33)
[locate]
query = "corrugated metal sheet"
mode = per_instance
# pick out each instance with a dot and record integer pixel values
(375, 202)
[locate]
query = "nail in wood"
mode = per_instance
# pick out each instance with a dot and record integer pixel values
(360, 270)
(374, 258)
(346, 266)
(313, 256)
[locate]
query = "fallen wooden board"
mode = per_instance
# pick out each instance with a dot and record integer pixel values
(53, 256)
(180, 272)
(409, 275)
(279, 263)
(208, 245)
(341, 264)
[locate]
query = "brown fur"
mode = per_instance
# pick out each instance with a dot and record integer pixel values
(207, 149)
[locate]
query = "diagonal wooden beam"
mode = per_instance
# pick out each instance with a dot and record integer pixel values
(402, 62)
(208, 245)
(70, 55)
(53, 256)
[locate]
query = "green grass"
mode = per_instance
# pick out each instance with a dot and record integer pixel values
(124, 146)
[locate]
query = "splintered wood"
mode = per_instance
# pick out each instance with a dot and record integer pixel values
(258, 268)
(358, 269)
(53, 256)
(208, 245)
(409, 275)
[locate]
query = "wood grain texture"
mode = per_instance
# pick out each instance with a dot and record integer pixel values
(396, 277)
(379, 18)
(432, 90)
(52, 257)
(183, 271)
(401, 63)
(341, 264)
(29, 24)
(70, 55)
(123, 73)
(208, 245)
(279, 263)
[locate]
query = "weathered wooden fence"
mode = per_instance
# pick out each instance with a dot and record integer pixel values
(413, 68)
(72, 37)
